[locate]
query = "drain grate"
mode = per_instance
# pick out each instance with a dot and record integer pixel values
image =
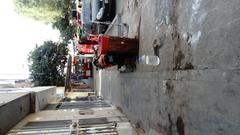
(98, 129)
(83, 104)
(44, 128)
(91, 126)
(95, 126)
(48, 124)
(78, 105)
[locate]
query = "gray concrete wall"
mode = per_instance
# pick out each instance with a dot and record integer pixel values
(43, 96)
(196, 88)
(11, 112)
(15, 104)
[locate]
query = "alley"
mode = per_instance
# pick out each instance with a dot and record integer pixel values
(195, 89)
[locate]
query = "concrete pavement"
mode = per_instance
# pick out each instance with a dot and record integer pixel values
(195, 89)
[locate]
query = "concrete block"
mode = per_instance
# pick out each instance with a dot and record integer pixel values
(43, 96)
(13, 108)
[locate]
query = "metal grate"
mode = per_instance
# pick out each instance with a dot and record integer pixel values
(48, 124)
(78, 105)
(98, 129)
(84, 104)
(44, 128)
(92, 126)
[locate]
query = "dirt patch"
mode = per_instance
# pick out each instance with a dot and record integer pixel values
(169, 86)
(178, 55)
(174, 16)
(120, 109)
(182, 61)
(160, 128)
(182, 55)
(158, 43)
(136, 3)
(188, 66)
(178, 60)
(86, 112)
(139, 127)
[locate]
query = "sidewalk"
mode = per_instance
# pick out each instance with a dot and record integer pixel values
(195, 89)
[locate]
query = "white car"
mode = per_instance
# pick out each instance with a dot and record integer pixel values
(94, 11)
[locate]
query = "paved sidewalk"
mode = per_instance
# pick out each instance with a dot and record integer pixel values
(195, 89)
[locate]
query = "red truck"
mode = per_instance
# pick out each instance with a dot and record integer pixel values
(86, 46)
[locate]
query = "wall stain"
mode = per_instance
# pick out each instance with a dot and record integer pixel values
(158, 43)
(156, 49)
(160, 128)
(119, 108)
(178, 60)
(136, 2)
(170, 125)
(188, 66)
(139, 127)
(182, 55)
(180, 126)
(169, 87)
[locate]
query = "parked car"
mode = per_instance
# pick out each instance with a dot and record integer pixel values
(95, 11)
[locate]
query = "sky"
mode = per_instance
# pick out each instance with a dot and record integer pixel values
(19, 36)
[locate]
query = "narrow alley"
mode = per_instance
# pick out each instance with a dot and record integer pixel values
(190, 86)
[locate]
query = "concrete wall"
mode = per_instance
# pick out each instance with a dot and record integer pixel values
(11, 112)
(196, 88)
(43, 96)
(15, 104)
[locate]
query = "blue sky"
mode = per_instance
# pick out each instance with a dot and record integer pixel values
(18, 36)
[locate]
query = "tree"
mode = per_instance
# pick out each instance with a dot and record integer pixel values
(47, 64)
(56, 12)
(66, 30)
(41, 10)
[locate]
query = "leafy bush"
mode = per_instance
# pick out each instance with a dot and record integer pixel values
(47, 63)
